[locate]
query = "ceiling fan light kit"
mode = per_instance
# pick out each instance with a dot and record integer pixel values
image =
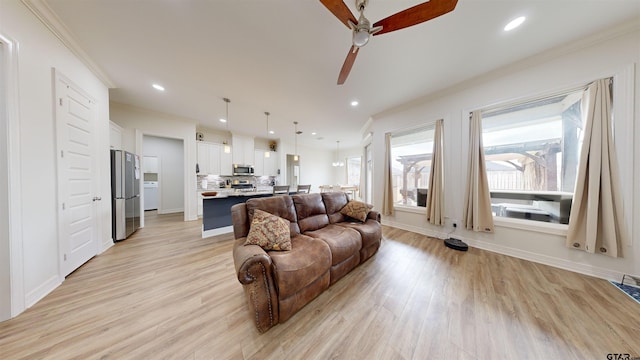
(362, 30)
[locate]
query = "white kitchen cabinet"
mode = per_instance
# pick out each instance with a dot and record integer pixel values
(204, 157)
(265, 166)
(226, 162)
(243, 151)
(150, 164)
(258, 163)
(271, 164)
(213, 160)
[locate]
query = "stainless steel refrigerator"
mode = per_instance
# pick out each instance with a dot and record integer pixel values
(125, 193)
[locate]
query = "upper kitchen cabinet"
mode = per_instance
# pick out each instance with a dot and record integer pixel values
(265, 166)
(271, 164)
(258, 163)
(204, 157)
(212, 159)
(243, 150)
(226, 162)
(150, 164)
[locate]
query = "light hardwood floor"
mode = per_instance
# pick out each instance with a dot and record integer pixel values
(167, 293)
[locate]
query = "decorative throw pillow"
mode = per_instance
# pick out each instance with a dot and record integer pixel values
(268, 231)
(356, 209)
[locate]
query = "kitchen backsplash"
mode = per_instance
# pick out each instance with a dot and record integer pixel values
(214, 182)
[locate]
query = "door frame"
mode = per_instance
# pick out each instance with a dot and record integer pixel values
(139, 150)
(368, 173)
(11, 151)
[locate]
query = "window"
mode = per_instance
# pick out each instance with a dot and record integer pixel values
(411, 152)
(353, 170)
(532, 152)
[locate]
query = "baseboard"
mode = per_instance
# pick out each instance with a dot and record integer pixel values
(170, 211)
(106, 245)
(584, 269)
(217, 231)
(41, 291)
(417, 229)
(580, 268)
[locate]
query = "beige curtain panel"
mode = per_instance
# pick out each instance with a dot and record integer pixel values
(387, 196)
(477, 209)
(596, 222)
(435, 198)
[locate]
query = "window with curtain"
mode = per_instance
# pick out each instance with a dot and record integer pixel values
(411, 152)
(532, 152)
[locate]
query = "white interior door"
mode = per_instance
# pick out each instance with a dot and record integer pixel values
(75, 118)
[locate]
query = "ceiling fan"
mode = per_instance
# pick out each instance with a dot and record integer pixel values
(362, 28)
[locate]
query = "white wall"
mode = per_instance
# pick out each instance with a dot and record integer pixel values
(5, 279)
(137, 122)
(214, 135)
(170, 154)
(39, 52)
(340, 173)
(557, 70)
(315, 165)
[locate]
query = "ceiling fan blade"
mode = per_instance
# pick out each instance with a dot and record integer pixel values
(340, 10)
(348, 64)
(415, 15)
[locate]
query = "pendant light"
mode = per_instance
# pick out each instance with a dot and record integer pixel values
(227, 148)
(267, 153)
(295, 155)
(338, 163)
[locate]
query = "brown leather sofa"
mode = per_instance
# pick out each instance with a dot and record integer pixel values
(326, 245)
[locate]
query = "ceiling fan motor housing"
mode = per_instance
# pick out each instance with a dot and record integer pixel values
(361, 4)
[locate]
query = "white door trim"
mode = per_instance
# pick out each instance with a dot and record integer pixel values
(11, 115)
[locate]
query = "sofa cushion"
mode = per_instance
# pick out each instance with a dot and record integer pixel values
(308, 260)
(268, 231)
(334, 202)
(312, 214)
(281, 206)
(356, 210)
(342, 241)
(370, 231)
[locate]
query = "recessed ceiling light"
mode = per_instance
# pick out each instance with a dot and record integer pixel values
(313, 133)
(514, 23)
(158, 87)
(223, 120)
(354, 103)
(271, 132)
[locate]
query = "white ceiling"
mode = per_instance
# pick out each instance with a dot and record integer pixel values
(283, 56)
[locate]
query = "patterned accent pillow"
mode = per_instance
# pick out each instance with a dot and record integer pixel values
(268, 231)
(356, 210)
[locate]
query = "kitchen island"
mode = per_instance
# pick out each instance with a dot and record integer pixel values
(216, 210)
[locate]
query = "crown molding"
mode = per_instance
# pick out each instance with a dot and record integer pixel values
(50, 19)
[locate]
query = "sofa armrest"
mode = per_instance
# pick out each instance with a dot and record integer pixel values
(255, 272)
(245, 257)
(374, 215)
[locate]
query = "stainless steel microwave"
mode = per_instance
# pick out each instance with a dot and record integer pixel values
(242, 170)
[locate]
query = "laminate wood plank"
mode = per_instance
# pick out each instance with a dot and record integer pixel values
(166, 293)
